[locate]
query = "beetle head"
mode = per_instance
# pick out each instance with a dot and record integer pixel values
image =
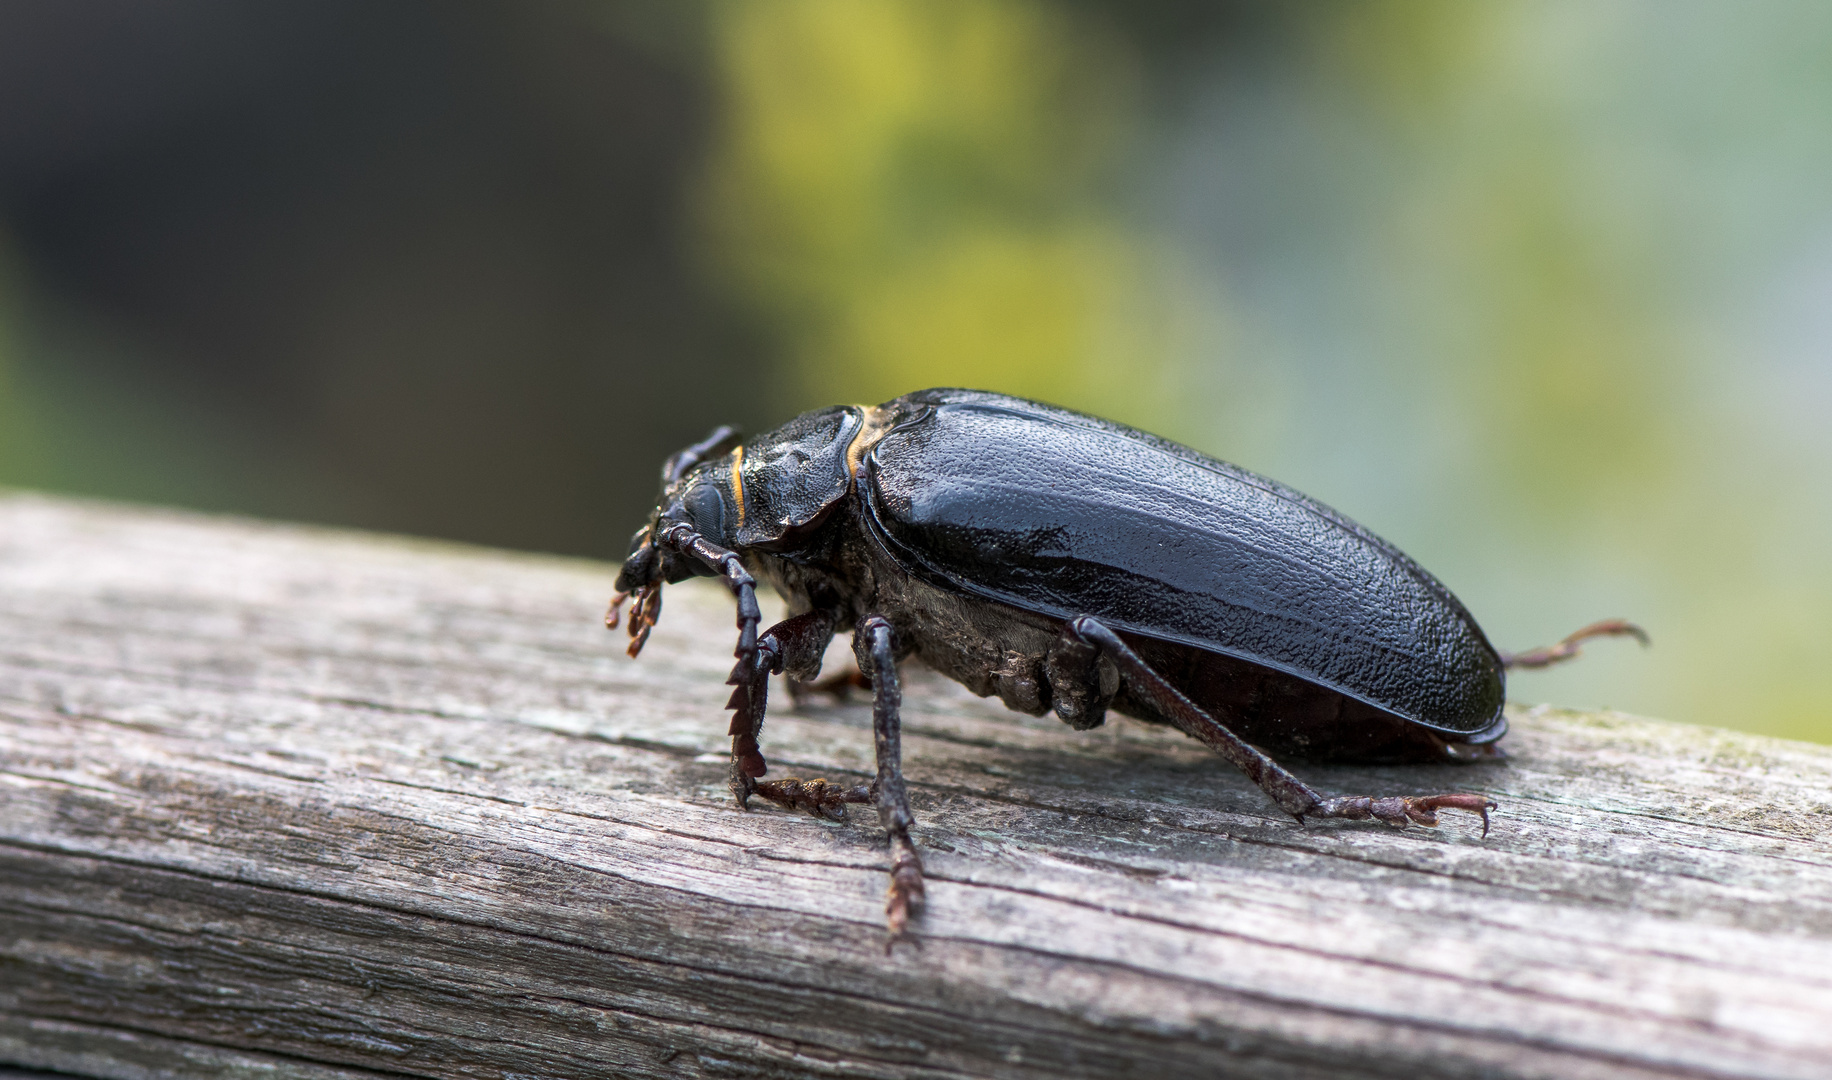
(702, 496)
(761, 494)
(696, 491)
(701, 487)
(766, 495)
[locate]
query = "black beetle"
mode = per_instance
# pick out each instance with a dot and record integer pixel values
(1065, 562)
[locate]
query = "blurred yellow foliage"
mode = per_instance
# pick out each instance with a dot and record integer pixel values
(1548, 295)
(910, 191)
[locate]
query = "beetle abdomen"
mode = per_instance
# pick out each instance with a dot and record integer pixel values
(1062, 514)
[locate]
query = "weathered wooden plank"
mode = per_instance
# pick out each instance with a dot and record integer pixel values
(286, 801)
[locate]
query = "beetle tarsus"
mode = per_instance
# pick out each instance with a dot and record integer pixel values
(819, 797)
(905, 893)
(1570, 645)
(643, 615)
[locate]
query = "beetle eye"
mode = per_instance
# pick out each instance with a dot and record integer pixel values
(706, 507)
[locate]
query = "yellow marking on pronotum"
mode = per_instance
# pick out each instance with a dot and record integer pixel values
(738, 481)
(876, 423)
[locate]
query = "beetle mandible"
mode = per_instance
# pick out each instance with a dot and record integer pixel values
(1070, 563)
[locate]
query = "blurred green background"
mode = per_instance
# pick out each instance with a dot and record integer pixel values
(1541, 291)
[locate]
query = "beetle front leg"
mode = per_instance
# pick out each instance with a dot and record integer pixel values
(794, 645)
(680, 537)
(875, 647)
(1293, 795)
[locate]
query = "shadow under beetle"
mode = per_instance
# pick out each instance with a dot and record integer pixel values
(1069, 563)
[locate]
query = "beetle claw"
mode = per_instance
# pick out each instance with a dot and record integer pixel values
(1466, 801)
(1403, 810)
(905, 894)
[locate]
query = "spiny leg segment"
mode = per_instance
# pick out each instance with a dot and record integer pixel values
(1293, 795)
(794, 645)
(795, 642)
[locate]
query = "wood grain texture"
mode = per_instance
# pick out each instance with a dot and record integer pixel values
(289, 802)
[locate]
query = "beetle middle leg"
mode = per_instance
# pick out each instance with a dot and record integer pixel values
(1293, 795)
(795, 645)
(875, 646)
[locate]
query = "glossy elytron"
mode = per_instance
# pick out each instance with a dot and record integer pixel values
(1065, 562)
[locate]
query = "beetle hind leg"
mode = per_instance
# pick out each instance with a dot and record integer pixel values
(1292, 795)
(1571, 644)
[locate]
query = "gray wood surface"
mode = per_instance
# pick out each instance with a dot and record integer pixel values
(279, 801)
